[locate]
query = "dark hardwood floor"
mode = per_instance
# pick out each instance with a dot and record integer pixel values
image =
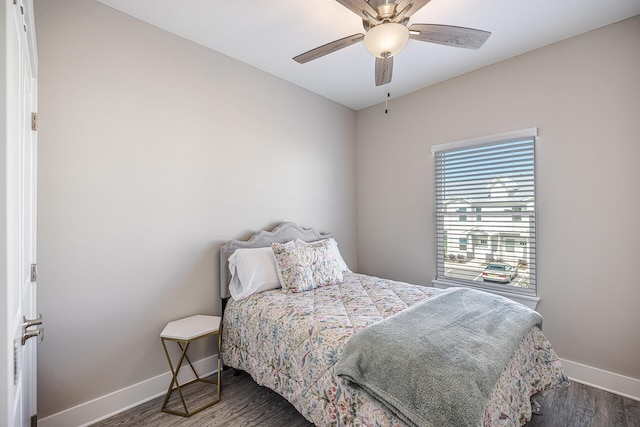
(244, 403)
(582, 406)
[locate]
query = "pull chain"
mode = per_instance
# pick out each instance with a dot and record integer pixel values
(386, 100)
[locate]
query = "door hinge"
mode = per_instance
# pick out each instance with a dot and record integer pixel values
(34, 121)
(34, 420)
(34, 273)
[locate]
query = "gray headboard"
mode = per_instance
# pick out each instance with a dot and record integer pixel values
(284, 232)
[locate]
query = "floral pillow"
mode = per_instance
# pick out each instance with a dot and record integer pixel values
(335, 251)
(304, 267)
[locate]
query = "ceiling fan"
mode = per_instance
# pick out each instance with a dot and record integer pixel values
(387, 33)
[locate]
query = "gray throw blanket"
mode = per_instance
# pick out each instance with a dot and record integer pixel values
(436, 363)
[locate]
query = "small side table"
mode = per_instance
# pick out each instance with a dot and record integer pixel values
(184, 332)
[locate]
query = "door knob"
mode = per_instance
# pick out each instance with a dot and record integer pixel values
(28, 323)
(35, 333)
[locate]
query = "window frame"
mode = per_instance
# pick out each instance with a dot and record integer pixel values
(528, 297)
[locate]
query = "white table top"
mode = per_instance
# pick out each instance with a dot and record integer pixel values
(191, 327)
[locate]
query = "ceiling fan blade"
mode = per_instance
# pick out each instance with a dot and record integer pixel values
(384, 70)
(416, 5)
(449, 35)
(328, 48)
(360, 7)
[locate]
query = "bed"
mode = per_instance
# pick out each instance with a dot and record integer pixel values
(293, 343)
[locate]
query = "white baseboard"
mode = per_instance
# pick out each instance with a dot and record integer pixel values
(604, 380)
(113, 403)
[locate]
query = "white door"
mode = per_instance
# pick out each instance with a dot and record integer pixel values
(21, 331)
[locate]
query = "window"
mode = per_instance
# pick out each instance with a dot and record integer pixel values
(496, 176)
(462, 216)
(510, 244)
(517, 217)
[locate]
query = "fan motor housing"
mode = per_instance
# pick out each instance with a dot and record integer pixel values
(386, 11)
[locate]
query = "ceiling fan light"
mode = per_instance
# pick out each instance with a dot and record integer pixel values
(386, 40)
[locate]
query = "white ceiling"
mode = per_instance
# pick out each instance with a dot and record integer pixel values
(267, 34)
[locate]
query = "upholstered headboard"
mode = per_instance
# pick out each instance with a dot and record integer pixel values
(284, 232)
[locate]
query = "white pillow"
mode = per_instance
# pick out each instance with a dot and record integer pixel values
(334, 249)
(252, 270)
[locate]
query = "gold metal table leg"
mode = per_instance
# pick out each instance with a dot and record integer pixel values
(174, 380)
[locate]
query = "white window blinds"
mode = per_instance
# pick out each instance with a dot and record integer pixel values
(486, 212)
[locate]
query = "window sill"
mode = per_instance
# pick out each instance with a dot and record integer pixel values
(529, 301)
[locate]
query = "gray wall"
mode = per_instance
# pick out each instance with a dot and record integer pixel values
(153, 151)
(583, 94)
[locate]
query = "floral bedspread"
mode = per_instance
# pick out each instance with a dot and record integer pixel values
(290, 342)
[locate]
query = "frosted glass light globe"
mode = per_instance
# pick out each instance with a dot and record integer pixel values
(386, 39)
